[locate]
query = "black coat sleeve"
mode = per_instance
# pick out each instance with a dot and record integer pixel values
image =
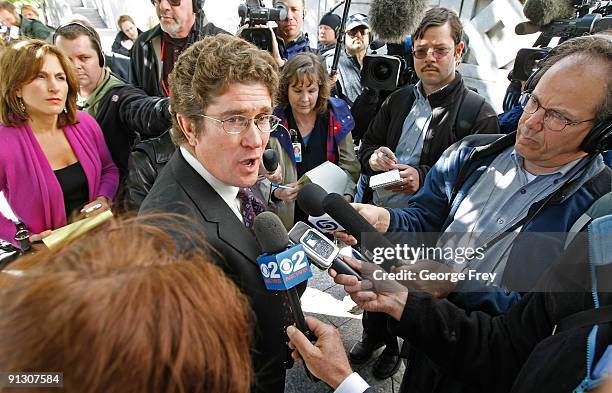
(147, 115)
(375, 136)
(475, 348)
(141, 176)
(117, 47)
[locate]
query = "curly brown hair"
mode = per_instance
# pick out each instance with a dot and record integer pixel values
(19, 65)
(208, 68)
(304, 68)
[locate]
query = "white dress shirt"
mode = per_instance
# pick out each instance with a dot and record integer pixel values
(352, 384)
(229, 194)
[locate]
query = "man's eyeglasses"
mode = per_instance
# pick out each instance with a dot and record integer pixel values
(174, 3)
(553, 120)
(362, 30)
(236, 124)
(438, 53)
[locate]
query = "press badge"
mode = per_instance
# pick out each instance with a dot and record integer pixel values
(297, 151)
(297, 146)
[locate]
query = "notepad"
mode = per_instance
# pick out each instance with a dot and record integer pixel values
(327, 175)
(385, 179)
(70, 231)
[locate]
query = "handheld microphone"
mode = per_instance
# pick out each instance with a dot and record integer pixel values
(320, 250)
(337, 207)
(283, 267)
(310, 199)
(393, 20)
(270, 160)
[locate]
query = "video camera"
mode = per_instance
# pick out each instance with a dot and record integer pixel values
(591, 17)
(254, 13)
(388, 72)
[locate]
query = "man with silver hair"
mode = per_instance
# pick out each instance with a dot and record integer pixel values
(181, 23)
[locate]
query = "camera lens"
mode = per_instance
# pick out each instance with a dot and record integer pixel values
(381, 71)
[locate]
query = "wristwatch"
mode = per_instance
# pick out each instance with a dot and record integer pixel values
(23, 237)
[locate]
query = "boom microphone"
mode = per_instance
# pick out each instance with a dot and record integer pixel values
(393, 20)
(338, 208)
(543, 12)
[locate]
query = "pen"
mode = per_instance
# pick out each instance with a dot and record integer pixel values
(281, 186)
(92, 208)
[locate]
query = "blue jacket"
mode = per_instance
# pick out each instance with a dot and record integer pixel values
(432, 209)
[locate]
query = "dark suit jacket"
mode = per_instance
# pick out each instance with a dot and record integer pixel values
(180, 189)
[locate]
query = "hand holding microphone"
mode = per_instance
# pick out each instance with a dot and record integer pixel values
(282, 266)
(270, 167)
(326, 359)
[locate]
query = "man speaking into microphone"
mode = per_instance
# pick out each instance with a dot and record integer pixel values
(222, 91)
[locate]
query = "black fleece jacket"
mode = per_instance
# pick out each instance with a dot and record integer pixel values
(386, 128)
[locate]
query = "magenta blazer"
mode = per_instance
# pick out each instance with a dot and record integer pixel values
(29, 184)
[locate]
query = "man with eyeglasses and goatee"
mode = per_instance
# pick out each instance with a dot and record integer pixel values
(181, 23)
(410, 132)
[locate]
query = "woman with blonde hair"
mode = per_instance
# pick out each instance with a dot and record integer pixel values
(54, 162)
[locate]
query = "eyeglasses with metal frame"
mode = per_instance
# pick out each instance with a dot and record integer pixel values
(236, 124)
(553, 120)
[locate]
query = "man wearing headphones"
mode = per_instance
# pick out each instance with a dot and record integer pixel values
(547, 177)
(123, 112)
(181, 23)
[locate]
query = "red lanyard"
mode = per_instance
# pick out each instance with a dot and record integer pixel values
(163, 82)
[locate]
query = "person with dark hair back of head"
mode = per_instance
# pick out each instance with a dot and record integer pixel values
(120, 311)
(125, 113)
(156, 50)
(54, 162)
(127, 35)
(28, 28)
(222, 92)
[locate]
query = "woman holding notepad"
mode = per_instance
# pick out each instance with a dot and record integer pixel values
(54, 162)
(317, 128)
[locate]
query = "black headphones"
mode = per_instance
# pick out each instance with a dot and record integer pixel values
(91, 33)
(599, 139)
(198, 5)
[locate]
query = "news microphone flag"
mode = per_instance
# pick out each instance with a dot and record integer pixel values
(285, 270)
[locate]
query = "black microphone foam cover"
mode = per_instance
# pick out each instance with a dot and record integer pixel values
(270, 233)
(524, 28)
(542, 12)
(393, 20)
(340, 210)
(310, 199)
(270, 160)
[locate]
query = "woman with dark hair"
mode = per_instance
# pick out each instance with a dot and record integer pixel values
(317, 127)
(134, 317)
(54, 163)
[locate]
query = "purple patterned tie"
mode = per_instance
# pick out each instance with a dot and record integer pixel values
(250, 206)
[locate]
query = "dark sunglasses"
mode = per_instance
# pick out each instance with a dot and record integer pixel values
(174, 3)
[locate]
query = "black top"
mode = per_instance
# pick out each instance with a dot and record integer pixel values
(74, 186)
(314, 152)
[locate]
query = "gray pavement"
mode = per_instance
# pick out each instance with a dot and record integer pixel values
(327, 301)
